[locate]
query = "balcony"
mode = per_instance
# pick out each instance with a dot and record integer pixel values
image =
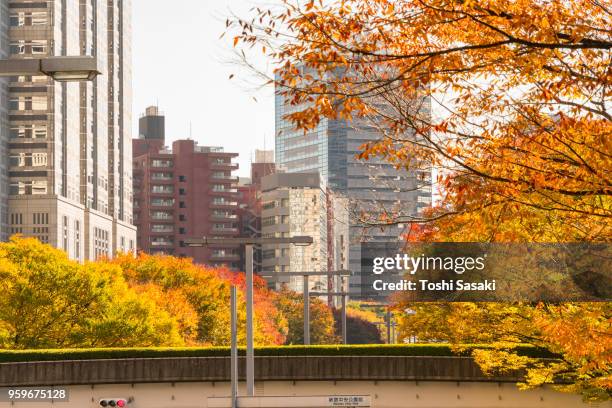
(224, 230)
(224, 256)
(162, 216)
(161, 163)
(163, 228)
(162, 243)
(162, 203)
(222, 178)
(161, 189)
(223, 204)
(225, 166)
(223, 217)
(161, 177)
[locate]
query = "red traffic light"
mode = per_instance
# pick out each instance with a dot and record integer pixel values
(113, 402)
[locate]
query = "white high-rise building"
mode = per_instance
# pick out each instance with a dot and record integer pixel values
(69, 150)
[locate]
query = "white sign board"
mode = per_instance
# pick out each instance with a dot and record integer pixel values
(320, 401)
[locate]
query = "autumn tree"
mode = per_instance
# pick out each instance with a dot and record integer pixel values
(199, 297)
(50, 301)
(510, 101)
(361, 325)
(291, 304)
(521, 91)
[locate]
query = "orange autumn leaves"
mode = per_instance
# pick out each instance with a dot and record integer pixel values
(520, 92)
(199, 298)
(50, 301)
(510, 101)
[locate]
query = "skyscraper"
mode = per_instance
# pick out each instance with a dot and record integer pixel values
(331, 149)
(70, 154)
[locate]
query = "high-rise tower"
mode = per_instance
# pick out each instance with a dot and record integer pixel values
(331, 149)
(70, 152)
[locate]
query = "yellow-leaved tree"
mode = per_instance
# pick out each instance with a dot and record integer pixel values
(50, 301)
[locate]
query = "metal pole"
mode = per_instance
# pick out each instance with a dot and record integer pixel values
(250, 353)
(234, 354)
(306, 311)
(344, 333)
(388, 326)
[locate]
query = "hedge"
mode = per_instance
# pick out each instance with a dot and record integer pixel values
(423, 350)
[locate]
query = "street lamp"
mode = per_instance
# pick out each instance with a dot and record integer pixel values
(248, 243)
(61, 69)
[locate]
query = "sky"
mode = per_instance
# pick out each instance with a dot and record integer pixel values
(181, 65)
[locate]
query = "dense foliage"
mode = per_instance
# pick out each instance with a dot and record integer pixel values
(510, 101)
(50, 301)
(439, 350)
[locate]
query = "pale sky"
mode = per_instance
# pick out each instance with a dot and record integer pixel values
(180, 63)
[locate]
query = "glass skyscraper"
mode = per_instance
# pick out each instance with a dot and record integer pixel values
(332, 149)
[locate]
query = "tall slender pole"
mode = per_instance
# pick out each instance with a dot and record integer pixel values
(234, 354)
(250, 353)
(388, 326)
(306, 311)
(344, 333)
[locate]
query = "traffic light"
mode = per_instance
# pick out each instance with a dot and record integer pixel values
(113, 403)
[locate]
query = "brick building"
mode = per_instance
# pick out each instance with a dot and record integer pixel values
(186, 192)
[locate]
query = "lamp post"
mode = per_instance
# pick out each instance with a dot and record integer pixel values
(248, 248)
(307, 294)
(61, 69)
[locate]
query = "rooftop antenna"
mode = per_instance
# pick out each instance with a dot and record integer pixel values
(190, 131)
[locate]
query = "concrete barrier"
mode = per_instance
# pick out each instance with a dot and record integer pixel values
(277, 368)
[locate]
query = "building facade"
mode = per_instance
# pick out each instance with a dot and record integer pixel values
(249, 203)
(298, 204)
(331, 150)
(69, 144)
(186, 192)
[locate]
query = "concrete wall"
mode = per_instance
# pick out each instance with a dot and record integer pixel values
(392, 382)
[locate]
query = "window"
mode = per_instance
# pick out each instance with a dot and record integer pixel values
(28, 159)
(182, 231)
(28, 188)
(182, 191)
(77, 240)
(28, 103)
(28, 18)
(65, 233)
(29, 47)
(30, 78)
(182, 204)
(182, 178)
(182, 217)
(29, 132)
